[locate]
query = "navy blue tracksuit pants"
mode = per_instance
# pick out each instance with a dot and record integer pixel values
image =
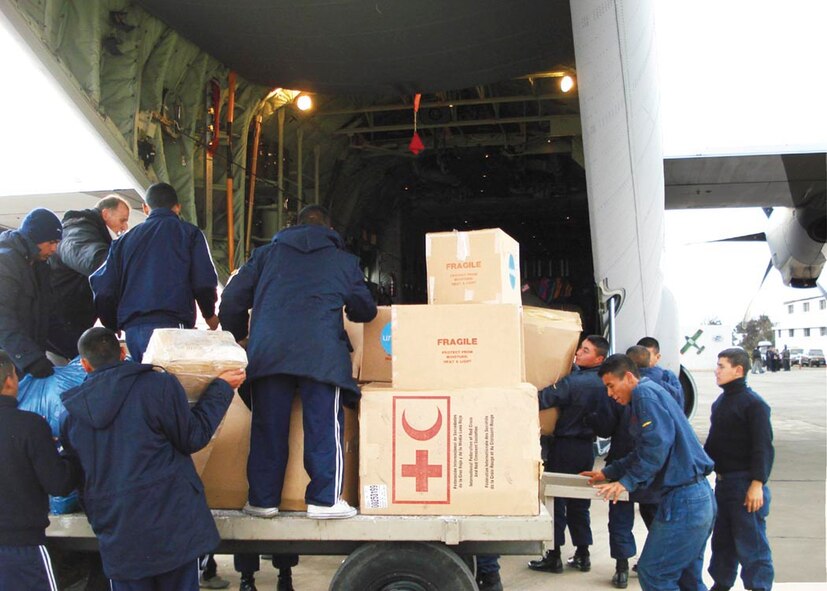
(571, 455)
(26, 568)
(323, 421)
(183, 578)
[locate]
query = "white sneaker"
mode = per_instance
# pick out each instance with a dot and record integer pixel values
(264, 512)
(341, 510)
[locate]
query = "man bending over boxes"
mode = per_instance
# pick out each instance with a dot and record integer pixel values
(296, 287)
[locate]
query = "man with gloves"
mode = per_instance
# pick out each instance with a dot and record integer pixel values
(25, 290)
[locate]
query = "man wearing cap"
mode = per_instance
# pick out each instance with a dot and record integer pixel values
(87, 234)
(155, 274)
(25, 290)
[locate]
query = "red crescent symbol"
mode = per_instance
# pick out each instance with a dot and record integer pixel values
(422, 435)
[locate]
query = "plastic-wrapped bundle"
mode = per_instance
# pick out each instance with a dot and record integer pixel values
(42, 395)
(195, 357)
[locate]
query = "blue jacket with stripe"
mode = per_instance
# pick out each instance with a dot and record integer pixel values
(297, 286)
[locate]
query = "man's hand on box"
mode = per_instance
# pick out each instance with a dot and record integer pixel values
(234, 377)
(212, 322)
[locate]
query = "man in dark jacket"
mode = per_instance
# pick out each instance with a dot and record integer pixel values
(87, 234)
(25, 290)
(133, 430)
(570, 452)
(30, 470)
(155, 274)
(740, 443)
(296, 287)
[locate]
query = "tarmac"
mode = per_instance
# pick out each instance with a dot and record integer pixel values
(796, 523)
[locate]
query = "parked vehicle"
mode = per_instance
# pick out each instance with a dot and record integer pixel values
(815, 358)
(797, 357)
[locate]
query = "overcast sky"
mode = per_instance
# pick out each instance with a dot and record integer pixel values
(737, 76)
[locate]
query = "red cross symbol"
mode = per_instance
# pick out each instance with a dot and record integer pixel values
(422, 470)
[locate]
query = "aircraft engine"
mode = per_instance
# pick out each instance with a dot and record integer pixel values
(796, 238)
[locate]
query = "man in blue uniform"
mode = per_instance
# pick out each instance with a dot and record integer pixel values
(154, 275)
(668, 380)
(622, 545)
(296, 287)
(30, 470)
(668, 458)
(740, 443)
(25, 290)
(133, 431)
(576, 396)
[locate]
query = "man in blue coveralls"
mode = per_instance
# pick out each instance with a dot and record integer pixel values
(668, 458)
(670, 382)
(133, 431)
(296, 287)
(154, 275)
(622, 545)
(576, 396)
(740, 443)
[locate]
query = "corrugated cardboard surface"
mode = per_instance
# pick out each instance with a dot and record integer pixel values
(550, 340)
(376, 359)
(355, 334)
(225, 473)
(480, 267)
(457, 346)
(469, 451)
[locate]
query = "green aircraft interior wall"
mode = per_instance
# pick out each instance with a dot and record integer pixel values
(128, 74)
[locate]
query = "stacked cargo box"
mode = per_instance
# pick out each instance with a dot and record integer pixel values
(456, 431)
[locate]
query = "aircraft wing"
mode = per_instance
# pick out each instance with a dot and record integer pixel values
(765, 180)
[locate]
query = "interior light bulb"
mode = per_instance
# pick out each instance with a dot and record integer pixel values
(566, 83)
(304, 102)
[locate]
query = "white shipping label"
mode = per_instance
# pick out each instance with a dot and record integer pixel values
(375, 496)
(463, 246)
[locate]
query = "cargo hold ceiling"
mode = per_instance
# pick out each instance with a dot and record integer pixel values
(376, 46)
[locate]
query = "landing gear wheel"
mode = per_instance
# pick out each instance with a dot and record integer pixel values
(403, 566)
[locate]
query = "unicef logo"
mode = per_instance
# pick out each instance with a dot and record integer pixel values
(385, 339)
(512, 271)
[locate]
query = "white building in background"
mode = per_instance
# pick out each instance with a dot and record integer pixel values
(802, 324)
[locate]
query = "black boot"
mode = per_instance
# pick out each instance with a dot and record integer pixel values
(620, 580)
(489, 582)
(581, 561)
(550, 563)
(285, 582)
(248, 583)
(717, 587)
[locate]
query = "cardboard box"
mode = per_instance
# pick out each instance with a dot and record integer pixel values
(449, 451)
(355, 334)
(195, 357)
(457, 346)
(376, 353)
(550, 339)
(225, 472)
(479, 267)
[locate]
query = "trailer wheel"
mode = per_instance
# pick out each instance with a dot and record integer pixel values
(403, 566)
